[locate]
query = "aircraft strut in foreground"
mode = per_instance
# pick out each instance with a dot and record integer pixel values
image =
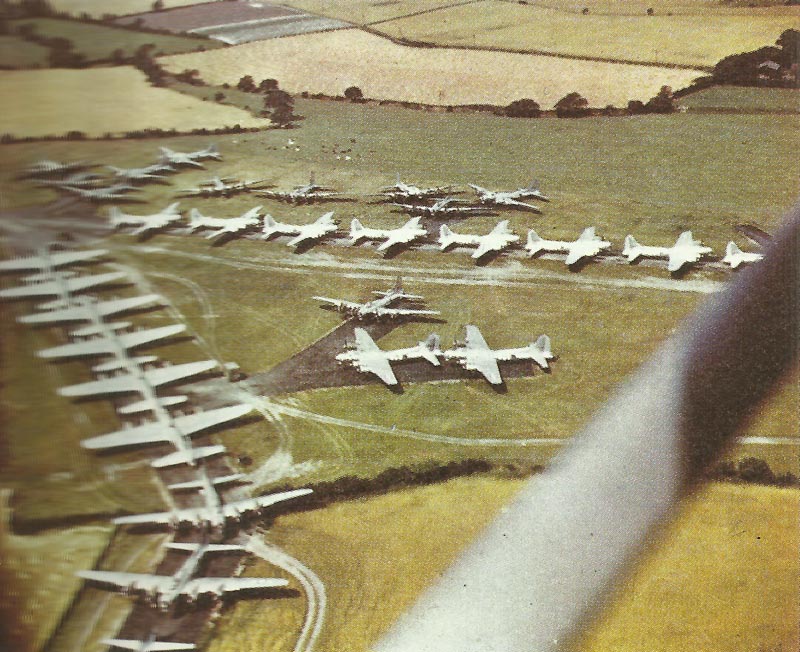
(380, 307)
(365, 355)
(587, 245)
(148, 645)
(686, 250)
(474, 354)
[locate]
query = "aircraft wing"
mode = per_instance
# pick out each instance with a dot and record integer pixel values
(487, 366)
(223, 585)
(80, 313)
(396, 238)
(339, 303)
(679, 257)
(131, 383)
(381, 368)
(486, 245)
(57, 287)
(103, 345)
(583, 250)
(474, 339)
(52, 259)
(128, 581)
(233, 510)
(156, 518)
(519, 204)
(147, 646)
(404, 311)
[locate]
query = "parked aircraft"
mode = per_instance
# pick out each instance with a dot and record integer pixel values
(510, 199)
(145, 223)
(47, 168)
(735, 256)
(177, 431)
(46, 260)
(497, 239)
(404, 191)
(117, 192)
(82, 312)
(444, 208)
(133, 380)
(224, 226)
(306, 194)
(171, 157)
(61, 284)
(303, 233)
(379, 307)
(685, 250)
(367, 356)
(149, 645)
(165, 590)
(475, 354)
(78, 180)
(410, 231)
(218, 187)
(141, 175)
(587, 245)
(215, 513)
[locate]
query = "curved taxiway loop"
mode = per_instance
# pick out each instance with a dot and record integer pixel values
(316, 598)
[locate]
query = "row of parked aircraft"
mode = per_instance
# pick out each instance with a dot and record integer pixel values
(473, 354)
(686, 249)
(120, 373)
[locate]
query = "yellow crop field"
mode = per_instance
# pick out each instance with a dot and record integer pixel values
(684, 39)
(330, 62)
(100, 100)
(681, 598)
(118, 7)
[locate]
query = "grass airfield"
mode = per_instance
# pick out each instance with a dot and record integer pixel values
(652, 176)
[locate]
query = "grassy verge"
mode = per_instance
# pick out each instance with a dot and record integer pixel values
(744, 100)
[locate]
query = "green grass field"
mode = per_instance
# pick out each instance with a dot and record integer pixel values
(18, 53)
(98, 41)
(680, 598)
(744, 100)
(682, 33)
(249, 302)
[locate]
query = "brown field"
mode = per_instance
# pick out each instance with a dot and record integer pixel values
(385, 70)
(208, 15)
(681, 598)
(53, 102)
(699, 39)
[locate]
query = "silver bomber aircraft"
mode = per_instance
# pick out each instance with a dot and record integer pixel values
(686, 250)
(224, 226)
(510, 199)
(497, 239)
(171, 157)
(145, 223)
(474, 354)
(400, 191)
(380, 307)
(402, 235)
(165, 590)
(365, 355)
(587, 245)
(303, 233)
(444, 208)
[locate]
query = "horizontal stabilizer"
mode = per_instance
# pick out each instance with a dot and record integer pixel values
(98, 329)
(198, 484)
(50, 260)
(146, 405)
(187, 457)
(116, 365)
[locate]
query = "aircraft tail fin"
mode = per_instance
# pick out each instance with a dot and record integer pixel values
(630, 247)
(685, 239)
(356, 230)
(587, 234)
(445, 231)
(501, 227)
(534, 244)
(172, 209)
(431, 348)
(196, 219)
(732, 249)
(269, 222)
(543, 344)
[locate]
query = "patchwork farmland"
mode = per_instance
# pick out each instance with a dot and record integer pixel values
(386, 70)
(235, 22)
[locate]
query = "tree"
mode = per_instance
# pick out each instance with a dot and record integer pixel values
(158, 5)
(636, 107)
(247, 84)
(753, 469)
(283, 116)
(572, 105)
(118, 57)
(278, 98)
(219, 96)
(354, 94)
(524, 108)
(663, 102)
(267, 85)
